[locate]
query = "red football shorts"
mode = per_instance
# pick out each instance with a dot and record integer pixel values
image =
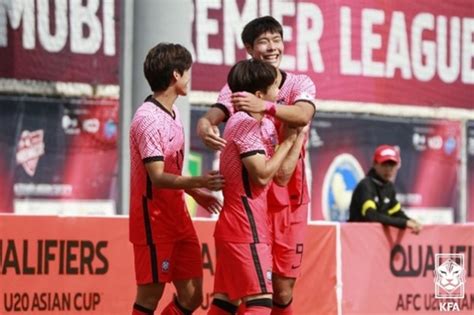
(288, 233)
(243, 269)
(166, 262)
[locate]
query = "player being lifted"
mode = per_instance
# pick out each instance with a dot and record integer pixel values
(263, 39)
(165, 244)
(248, 163)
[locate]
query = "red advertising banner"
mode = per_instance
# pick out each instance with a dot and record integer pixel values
(58, 150)
(84, 265)
(78, 265)
(54, 265)
(391, 271)
(69, 41)
(396, 52)
(470, 170)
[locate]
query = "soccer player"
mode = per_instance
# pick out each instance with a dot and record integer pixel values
(263, 39)
(248, 163)
(165, 244)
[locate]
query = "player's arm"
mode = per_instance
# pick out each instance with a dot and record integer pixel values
(288, 166)
(208, 131)
(299, 114)
(207, 128)
(261, 170)
(159, 178)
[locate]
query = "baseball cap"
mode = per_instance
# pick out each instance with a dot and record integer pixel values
(385, 153)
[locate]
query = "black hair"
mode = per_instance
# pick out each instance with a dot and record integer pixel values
(259, 26)
(251, 76)
(161, 61)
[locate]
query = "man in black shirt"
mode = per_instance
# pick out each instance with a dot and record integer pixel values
(374, 199)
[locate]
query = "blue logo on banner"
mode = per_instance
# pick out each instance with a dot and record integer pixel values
(449, 145)
(342, 177)
(110, 129)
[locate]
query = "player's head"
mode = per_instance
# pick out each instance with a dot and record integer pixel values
(166, 64)
(263, 39)
(256, 77)
(387, 162)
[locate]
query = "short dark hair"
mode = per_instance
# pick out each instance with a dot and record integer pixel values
(161, 61)
(251, 76)
(258, 26)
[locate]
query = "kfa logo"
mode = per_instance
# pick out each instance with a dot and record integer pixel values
(449, 280)
(165, 265)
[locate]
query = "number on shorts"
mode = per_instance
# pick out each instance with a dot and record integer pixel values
(299, 251)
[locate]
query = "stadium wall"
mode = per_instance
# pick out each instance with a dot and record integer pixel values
(77, 265)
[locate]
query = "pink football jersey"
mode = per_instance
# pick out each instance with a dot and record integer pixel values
(244, 217)
(294, 88)
(156, 214)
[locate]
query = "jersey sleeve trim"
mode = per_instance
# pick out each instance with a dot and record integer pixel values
(394, 209)
(369, 204)
(223, 108)
(250, 153)
(153, 159)
(309, 102)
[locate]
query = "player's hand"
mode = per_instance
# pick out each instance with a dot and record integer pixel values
(414, 226)
(211, 138)
(213, 181)
(301, 133)
(208, 201)
(247, 102)
(289, 133)
(303, 130)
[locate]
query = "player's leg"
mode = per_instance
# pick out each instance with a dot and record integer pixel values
(242, 270)
(283, 285)
(188, 297)
(147, 298)
(149, 287)
(221, 305)
(258, 299)
(283, 295)
(260, 304)
(186, 276)
(288, 231)
(223, 282)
